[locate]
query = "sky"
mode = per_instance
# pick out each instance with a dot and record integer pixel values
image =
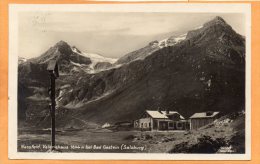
(108, 34)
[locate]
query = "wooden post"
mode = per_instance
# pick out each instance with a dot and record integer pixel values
(54, 73)
(52, 111)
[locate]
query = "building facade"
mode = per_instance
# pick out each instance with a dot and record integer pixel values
(161, 121)
(198, 120)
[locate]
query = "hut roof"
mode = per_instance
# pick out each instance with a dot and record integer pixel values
(204, 115)
(161, 114)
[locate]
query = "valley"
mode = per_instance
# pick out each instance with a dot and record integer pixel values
(225, 133)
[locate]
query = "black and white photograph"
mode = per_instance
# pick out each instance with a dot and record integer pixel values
(129, 81)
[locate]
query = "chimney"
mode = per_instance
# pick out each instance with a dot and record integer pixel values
(167, 111)
(159, 110)
(209, 113)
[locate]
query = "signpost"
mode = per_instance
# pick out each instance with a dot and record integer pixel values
(54, 74)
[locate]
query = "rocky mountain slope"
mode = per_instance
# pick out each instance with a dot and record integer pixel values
(198, 71)
(150, 48)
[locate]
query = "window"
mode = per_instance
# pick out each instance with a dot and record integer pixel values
(179, 125)
(170, 124)
(149, 124)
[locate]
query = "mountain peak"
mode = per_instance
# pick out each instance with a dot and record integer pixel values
(214, 28)
(62, 45)
(219, 19)
(61, 42)
(216, 21)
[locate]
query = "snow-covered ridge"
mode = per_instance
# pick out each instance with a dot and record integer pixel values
(174, 40)
(171, 41)
(181, 37)
(95, 58)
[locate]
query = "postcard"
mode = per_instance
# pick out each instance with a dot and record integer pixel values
(130, 81)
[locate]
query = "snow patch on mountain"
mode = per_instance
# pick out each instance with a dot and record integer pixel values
(171, 41)
(76, 64)
(199, 27)
(21, 60)
(95, 58)
(163, 43)
(181, 37)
